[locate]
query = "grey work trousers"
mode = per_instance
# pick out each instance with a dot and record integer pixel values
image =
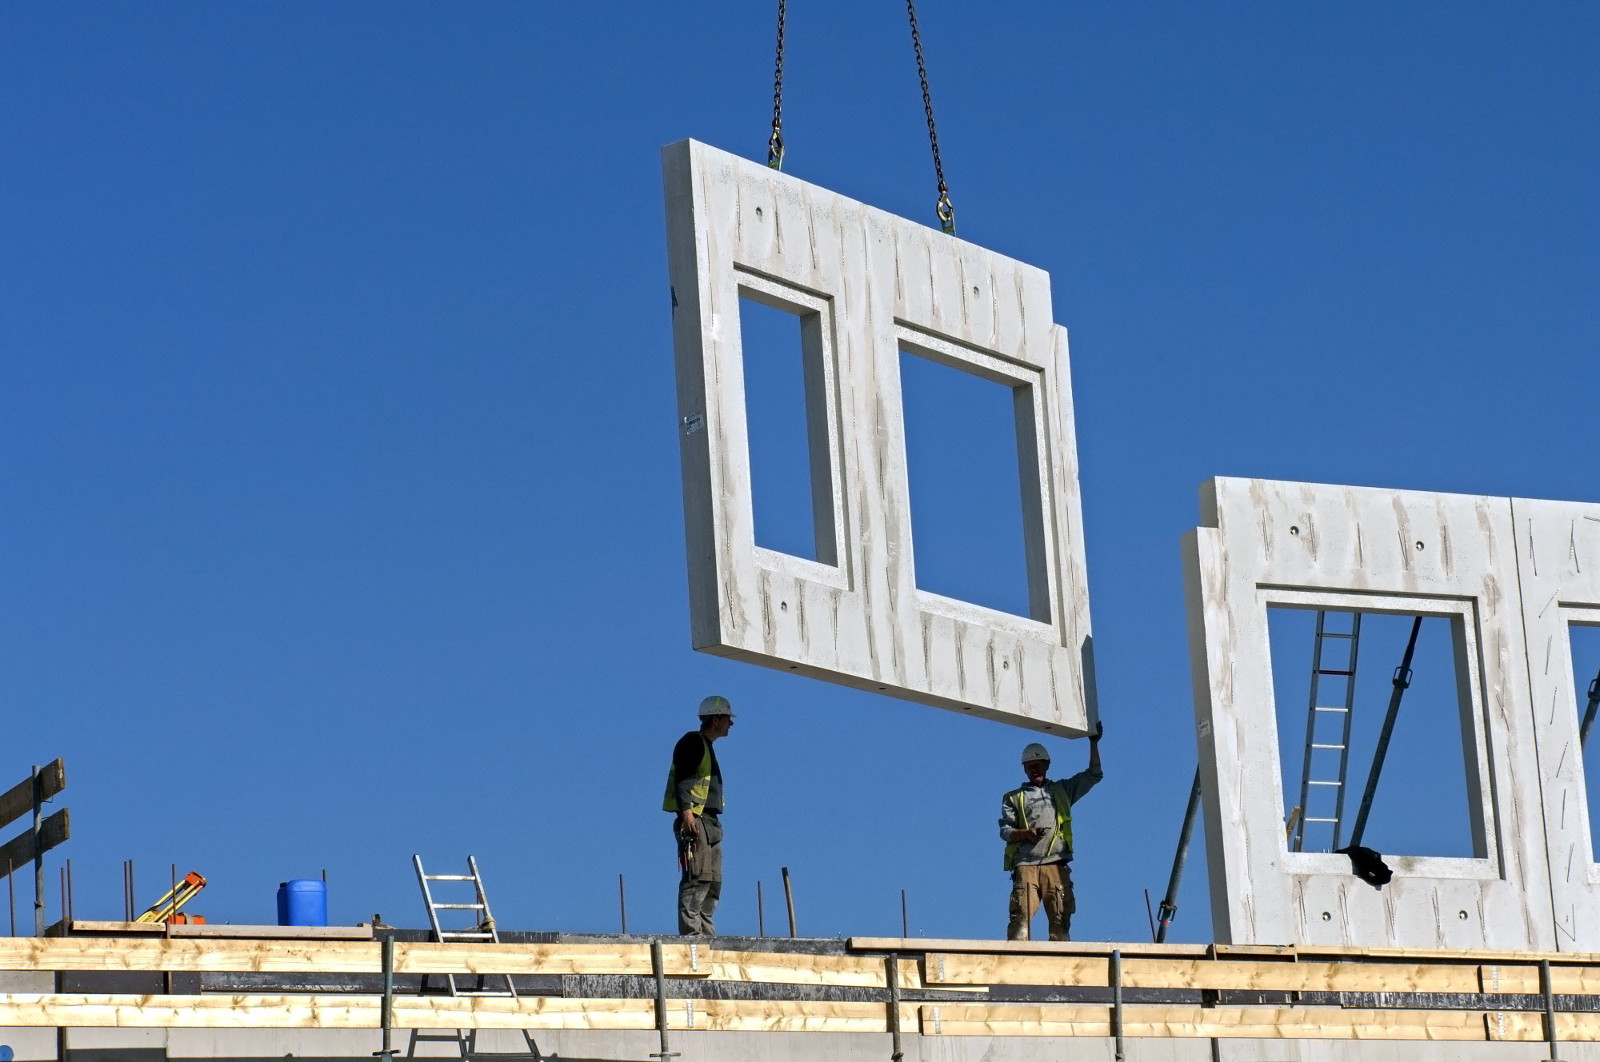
(700, 887)
(1049, 883)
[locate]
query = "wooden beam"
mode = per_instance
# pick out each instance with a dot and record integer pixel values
(1076, 971)
(1035, 947)
(18, 800)
(20, 850)
(332, 956)
(1311, 1023)
(79, 1010)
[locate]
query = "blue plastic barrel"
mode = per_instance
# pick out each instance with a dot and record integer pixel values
(303, 902)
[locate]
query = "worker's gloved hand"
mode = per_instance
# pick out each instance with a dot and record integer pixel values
(1099, 730)
(689, 822)
(1027, 836)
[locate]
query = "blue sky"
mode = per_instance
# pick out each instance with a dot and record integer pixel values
(342, 514)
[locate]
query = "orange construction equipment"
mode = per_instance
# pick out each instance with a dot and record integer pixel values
(166, 908)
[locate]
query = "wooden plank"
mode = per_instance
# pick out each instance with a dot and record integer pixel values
(78, 925)
(1031, 947)
(83, 1010)
(19, 851)
(331, 956)
(1072, 971)
(792, 968)
(272, 932)
(1564, 980)
(18, 800)
(1311, 1023)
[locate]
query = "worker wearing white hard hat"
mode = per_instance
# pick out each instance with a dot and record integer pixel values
(694, 795)
(1036, 824)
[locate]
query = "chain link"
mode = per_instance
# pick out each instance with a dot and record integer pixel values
(775, 142)
(943, 207)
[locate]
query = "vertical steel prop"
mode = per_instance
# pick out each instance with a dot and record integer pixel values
(891, 976)
(38, 856)
(1549, 1009)
(622, 903)
(388, 997)
(1116, 1005)
(658, 966)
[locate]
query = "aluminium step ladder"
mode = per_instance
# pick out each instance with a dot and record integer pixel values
(481, 928)
(1327, 751)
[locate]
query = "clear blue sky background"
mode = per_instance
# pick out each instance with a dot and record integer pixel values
(341, 512)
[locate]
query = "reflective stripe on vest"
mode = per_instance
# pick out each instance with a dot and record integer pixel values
(1063, 823)
(699, 792)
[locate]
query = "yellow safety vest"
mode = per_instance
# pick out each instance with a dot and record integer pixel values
(1063, 821)
(699, 792)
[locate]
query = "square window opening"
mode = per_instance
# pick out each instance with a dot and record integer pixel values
(786, 420)
(1377, 741)
(972, 466)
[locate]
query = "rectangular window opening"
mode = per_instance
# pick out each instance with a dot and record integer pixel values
(972, 461)
(786, 417)
(1335, 678)
(1585, 637)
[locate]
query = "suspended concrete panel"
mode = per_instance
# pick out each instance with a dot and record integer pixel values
(1313, 546)
(1558, 566)
(866, 286)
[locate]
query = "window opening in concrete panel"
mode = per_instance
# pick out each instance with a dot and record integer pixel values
(971, 463)
(786, 421)
(1427, 794)
(1585, 638)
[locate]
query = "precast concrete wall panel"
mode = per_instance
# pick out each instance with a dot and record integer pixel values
(1315, 546)
(867, 285)
(1558, 565)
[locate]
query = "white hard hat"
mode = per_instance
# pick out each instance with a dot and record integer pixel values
(715, 706)
(1035, 751)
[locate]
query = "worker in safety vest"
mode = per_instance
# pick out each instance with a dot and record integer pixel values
(1036, 824)
(694, 795)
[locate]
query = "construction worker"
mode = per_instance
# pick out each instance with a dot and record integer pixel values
(1036, 824)
(694, 795)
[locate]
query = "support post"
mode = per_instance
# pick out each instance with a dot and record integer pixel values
(1549, 1010)
(387, 1019)
(1401, 681)
(38, 856)
(658, 966)
(788, 898)
(1169, 903)
(891, 976)
(1116, 1006)
(622, 903)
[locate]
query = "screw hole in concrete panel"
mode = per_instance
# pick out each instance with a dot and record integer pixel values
(790, 477)
(1427, 788)
(965, 477)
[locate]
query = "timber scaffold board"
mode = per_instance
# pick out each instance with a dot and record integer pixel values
(941, 988)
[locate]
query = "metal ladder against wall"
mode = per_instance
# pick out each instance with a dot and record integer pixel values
(1327, 751)
(482, 929)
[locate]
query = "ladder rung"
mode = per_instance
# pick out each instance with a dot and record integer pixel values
(449, 877)
(1333, 671)
(1313, 781)
(1316, 746)
(1318, 820)
(1328, 708)
(457, 906)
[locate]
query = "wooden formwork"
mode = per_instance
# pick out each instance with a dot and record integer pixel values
(940, 988)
